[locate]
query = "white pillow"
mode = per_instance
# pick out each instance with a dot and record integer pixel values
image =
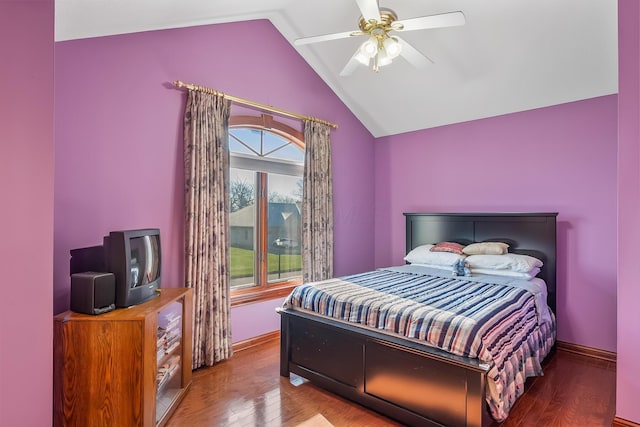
(513, 262)
(423, 255)
(516, 274)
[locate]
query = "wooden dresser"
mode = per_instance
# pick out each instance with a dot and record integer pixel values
(128, 367)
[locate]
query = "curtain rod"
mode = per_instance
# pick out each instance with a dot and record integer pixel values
(263, 107)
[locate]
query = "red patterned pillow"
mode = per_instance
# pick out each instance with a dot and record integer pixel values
(452, 247)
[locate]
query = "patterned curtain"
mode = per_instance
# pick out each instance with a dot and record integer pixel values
(206, 169)
(317, 204)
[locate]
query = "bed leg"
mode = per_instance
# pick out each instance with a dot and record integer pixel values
(476, 413)
(284, 345)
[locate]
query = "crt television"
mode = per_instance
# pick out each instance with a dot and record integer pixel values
(133, 256)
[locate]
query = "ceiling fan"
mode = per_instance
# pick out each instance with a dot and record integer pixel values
(381, 47)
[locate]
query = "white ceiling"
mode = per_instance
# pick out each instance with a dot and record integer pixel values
(511, 55)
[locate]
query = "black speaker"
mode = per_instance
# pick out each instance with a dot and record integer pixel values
(93, 293)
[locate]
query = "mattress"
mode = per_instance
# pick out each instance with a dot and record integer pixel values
(502, 322)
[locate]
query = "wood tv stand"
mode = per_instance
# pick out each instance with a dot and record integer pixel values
(128, 367)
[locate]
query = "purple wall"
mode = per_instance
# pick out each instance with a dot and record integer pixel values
(560, 159)
(628, 381)
(119, 140)
(26, 191)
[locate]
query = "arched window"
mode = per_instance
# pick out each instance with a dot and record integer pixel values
(265, 196)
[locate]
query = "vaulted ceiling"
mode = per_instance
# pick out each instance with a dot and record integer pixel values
(511, 55)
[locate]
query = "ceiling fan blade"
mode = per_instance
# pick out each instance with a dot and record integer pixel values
(326, 37)
(351, 65)
(369, 9)
(450, 19)
(413, 55)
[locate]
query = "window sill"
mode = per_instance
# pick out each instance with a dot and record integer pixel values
(250, 296)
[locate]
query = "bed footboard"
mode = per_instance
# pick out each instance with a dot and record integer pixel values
(403, 380)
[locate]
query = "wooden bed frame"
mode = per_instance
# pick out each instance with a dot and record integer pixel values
(404, 380)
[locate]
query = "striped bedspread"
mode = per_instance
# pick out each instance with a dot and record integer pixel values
(495, 323)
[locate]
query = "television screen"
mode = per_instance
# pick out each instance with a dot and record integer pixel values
(145, 260)
(135, 259)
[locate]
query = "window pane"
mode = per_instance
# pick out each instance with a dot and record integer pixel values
(277, 147)
(246, 141)
(242, 222)
(284, 227)
(290, 152)
(236, 147)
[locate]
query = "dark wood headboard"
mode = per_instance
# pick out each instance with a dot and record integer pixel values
(526, 233)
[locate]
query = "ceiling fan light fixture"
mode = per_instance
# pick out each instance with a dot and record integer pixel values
(369, 47)
(392, 47)
(383, 58)
(362, 58)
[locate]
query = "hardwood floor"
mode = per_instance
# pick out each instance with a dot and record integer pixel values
(249, 391)
(574, 391)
